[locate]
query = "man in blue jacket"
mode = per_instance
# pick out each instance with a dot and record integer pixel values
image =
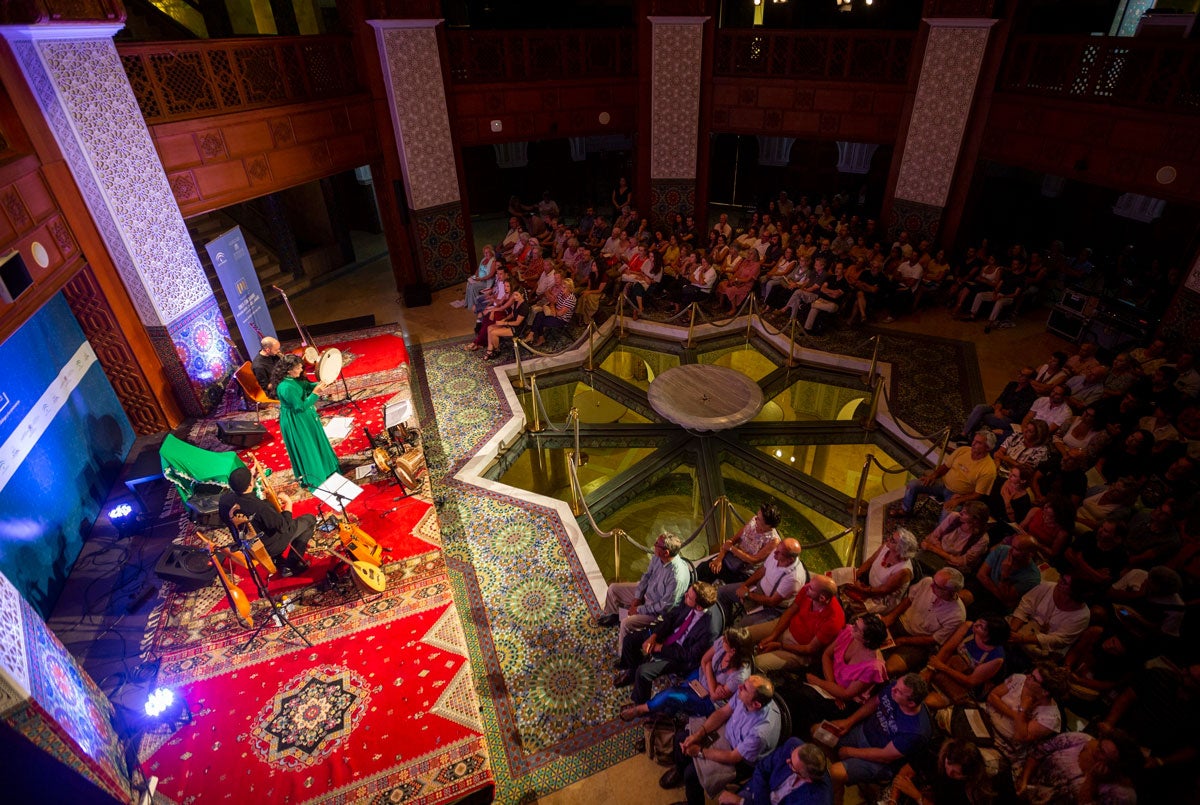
(676, 644)
(794, 774)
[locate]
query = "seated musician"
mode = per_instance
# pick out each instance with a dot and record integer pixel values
(285, 537)
(264, 363)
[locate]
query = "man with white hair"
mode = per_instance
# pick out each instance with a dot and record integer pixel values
(926, 618)
(967, 474)
(661, 587)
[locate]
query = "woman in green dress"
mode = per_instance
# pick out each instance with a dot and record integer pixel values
(308, 449)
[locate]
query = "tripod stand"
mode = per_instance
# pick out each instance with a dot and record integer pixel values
(279, 612)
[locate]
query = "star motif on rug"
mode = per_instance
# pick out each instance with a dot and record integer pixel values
(309, 717)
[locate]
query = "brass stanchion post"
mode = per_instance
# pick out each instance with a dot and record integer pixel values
(533, 402)
(692, 323)
(520, 381)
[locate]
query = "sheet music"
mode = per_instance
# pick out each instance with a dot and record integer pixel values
(396, 413)
(337, 491)
(338, 427)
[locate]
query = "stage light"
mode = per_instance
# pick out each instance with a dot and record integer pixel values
(165, 710)
(124, 518)
(160, 699)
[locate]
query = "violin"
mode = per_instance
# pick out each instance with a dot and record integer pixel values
(264, 487)
(258, 551)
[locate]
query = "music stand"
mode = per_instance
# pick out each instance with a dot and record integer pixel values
(337, 491)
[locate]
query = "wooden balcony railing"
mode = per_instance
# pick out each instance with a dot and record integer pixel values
(182, 80)
(1153, 74)
(478, 57)
(880, 57)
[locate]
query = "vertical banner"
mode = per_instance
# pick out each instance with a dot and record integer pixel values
(238, 279)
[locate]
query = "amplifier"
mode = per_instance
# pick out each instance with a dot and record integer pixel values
(1080, 304)
(240, 433)
(1067, 323)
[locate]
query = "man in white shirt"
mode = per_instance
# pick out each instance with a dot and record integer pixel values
(771, 589)
(924, 619)
(1051, 409)
(1050, 618)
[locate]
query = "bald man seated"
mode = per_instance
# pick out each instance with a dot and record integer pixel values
(265, 361)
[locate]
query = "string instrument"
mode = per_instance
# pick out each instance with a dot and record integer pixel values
(308, 349)
(264, 486)
(359, 544)
(366, 575)
(257, 550)
(238, 601)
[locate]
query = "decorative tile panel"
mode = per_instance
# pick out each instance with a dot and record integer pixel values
(412, 68)
(677, 49)
(14, 666)
(953, 56)
(920, 221)
(670, 197)
(81, 87)
(443, 240)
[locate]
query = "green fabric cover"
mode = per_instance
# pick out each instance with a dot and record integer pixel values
(186, 465)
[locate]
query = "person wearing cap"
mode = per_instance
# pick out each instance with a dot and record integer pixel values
(284, 535)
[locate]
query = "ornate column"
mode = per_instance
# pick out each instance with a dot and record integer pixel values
(416, 97)
(76, 76)
(676, 58)
(928, 154)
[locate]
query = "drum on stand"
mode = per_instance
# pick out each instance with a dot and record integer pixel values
(329, 365)
(311, 356)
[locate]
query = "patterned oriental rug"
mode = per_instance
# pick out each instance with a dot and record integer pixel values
(381, 708)
(541, 665)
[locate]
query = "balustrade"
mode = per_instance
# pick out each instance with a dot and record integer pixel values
(879, 57)
(183, 80)
(479, 57)
(1151, 73)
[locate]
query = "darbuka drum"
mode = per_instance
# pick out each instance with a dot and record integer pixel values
(329, 366)
(311, 356)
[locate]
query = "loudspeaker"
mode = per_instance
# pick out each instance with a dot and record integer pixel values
(204, 509)
(1066, 323)
(417, 294)
(14, 276)
(187, 568)
(241, 433)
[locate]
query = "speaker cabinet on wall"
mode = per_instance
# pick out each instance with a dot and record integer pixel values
(14, 276)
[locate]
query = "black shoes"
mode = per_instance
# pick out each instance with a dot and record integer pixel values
(672, 778)
(608, 621)
(623, 679)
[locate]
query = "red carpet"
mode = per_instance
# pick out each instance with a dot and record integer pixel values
(365, 356)
(381, 709)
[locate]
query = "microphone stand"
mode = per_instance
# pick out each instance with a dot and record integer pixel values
(279, 616)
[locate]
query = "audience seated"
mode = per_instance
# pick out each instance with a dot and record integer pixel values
(676, 643)
(770, 589)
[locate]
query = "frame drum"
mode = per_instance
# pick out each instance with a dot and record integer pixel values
(329, 366)
(311, 356)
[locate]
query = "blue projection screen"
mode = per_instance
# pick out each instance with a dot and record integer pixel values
(63, 441)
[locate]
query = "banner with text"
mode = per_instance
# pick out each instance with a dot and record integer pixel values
(239, 280)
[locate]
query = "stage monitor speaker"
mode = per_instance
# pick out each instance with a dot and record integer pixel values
(417, 294)
(241, 434)
(187, 568)
(1066, 323)
(204, 510)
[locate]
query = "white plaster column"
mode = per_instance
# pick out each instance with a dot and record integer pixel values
(416, 94)
(950, 72)
(80, 84)
(677, 51)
